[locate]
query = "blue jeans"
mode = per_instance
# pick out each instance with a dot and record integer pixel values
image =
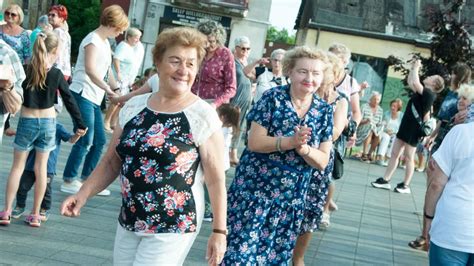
(442, 256)
(37, 133)
(90, 145)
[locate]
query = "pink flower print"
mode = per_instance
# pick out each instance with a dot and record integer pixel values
(244, 247)
(141, 225)
(174, 150)
(180, 199)
(263, 169)
(192, 228)
(125, 187)
(156, 140)
(137, 173)
(170, 213)
(183, 162)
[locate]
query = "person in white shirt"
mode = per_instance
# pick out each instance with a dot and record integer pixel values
(270, 77)
(92, 80)
(57, 17)
(449, 201)
(229, 116)
(126, 62)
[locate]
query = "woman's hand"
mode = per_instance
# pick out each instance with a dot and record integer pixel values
(460, 117)
(416, 64)
(301, 136)
(303, 150)
(72, 205)
(216, 247)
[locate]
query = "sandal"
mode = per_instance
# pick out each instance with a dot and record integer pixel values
(5, 218)
(419, 243)
(33, 220)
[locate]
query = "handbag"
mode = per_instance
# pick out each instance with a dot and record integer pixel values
(426, 126)
(338, 170)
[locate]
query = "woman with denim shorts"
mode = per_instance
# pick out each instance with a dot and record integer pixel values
(37, 124)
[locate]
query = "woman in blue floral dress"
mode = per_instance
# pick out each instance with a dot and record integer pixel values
(289, 139)
(161, 149)
(320, 192)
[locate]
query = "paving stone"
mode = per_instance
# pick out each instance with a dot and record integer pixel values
(372, 226)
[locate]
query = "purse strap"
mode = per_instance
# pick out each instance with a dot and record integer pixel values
(416, 115)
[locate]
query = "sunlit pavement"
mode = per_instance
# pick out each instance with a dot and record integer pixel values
(371, 227)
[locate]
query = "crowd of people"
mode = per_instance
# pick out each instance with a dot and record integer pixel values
(176, 131)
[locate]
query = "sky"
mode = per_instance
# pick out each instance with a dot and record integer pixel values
(283, 13)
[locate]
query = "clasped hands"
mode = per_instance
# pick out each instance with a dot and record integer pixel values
(300, 140)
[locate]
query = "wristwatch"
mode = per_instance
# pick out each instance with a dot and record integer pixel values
(219, 231)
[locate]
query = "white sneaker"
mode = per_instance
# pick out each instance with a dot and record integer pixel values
(325, 221)
(104, 192)
(72, 187)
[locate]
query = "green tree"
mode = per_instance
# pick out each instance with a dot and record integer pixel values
(281, 36)
(83, 17)
(450, 44)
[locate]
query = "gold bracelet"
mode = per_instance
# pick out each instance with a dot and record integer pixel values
(309, 151)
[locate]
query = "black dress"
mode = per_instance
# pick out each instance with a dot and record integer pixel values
(410, 130)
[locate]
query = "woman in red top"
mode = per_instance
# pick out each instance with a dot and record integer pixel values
(216, 81)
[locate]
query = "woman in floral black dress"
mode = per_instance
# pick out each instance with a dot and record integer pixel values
(163, 145)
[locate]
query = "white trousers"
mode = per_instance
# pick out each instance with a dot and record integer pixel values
(386, 144)
(133, 248)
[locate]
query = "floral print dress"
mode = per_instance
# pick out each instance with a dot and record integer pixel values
(267, 196)
(161, 166)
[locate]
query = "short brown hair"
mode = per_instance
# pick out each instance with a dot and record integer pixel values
(114, 16)
(179, 36)
(399, 103)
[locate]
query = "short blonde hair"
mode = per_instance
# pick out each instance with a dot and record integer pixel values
(467, 91)
(179, 36)
(337, 66)
(114, 16)
(299, 52)
(18, 10)
(341, 51)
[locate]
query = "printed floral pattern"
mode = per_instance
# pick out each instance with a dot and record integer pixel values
(160, 161)
(266, 198)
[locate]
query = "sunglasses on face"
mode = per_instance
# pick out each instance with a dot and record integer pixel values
(52, 15)
(244, 48)
(8, 13)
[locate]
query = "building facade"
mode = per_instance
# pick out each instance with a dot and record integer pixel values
(373, 30)
(239, 17)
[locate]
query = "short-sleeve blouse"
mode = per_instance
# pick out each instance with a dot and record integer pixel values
(160, 164)
(20, 43)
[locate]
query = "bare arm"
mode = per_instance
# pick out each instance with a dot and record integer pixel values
(249, 70)
(259, 141)
(212, 154)
(122, 99)
(316, 157)
(414, 79)
(11, 98)
(103, 175)
(91, 57)
(355, 107)
(340, 118)
(116, 63)
(437, 181)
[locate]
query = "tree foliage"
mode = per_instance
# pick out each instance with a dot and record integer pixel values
(281, 36)
(83, 17)
(450, 44)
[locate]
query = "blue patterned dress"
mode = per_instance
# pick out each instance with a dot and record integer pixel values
(318, 187)
(266, 200)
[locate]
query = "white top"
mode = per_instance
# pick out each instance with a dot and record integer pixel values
(154, 82)
(139, 51)
(453, 224)
(202, 117)
(63, 62)
(81, 81)
(348, 86)
(265, 82)
(129, 58)
(227, 131)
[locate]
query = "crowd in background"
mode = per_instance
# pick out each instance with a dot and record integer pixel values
(177, 128)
